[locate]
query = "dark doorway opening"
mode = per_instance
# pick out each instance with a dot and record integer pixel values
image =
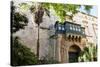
(73, 53)
(73, 57)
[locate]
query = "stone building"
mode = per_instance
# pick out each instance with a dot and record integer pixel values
(70, 40)
(62, 42)
(90, 24)
(73, 36)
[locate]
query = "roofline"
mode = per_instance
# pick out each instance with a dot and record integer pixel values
(87, 14)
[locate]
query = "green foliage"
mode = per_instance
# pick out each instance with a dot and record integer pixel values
(61, 10)
(18, 21)
(24, 7)
(46, 7)
(46, 60)
(87, 8)
(32, 9)
(89, 53)
(21, 55)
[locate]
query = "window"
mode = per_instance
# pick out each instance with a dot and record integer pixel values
(87, 30)
(70, 27)
(59, 28)
(95, 29)
(85, 23)
(73, 27)
(63, 28)
(78, 28)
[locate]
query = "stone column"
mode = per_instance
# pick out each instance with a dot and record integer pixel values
(67, 55)
(58, 48)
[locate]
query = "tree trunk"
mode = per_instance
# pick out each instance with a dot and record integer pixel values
(38, 44)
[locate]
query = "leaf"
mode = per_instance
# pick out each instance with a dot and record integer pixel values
(88, 8)
(47, 12)
(24, 7)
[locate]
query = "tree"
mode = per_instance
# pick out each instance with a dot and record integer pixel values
(38, 19)
(89, 53)
(38, 11)
(18, 21)
(87, 8)
(63, 10)
(20, 54)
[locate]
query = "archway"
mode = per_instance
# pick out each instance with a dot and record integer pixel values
(73, 53)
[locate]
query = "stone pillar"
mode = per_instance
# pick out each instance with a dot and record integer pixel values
(67, 55)
(58, 48)
(83, 42)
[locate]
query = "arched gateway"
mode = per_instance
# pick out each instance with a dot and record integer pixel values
(70, 41)
(73, 53)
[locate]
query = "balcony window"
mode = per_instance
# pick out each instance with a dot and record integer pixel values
(59, 28)
(76, 29)
(79, 29)
(71, 28)
(63, 28)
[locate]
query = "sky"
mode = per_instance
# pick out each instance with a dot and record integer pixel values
(94, 10)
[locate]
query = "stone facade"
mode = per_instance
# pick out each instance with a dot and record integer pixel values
(71, 39)
(68, 46)
(58, 47)
(91, 25)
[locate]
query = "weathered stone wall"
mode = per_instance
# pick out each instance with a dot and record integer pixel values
(91, 25)
(29, 37)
